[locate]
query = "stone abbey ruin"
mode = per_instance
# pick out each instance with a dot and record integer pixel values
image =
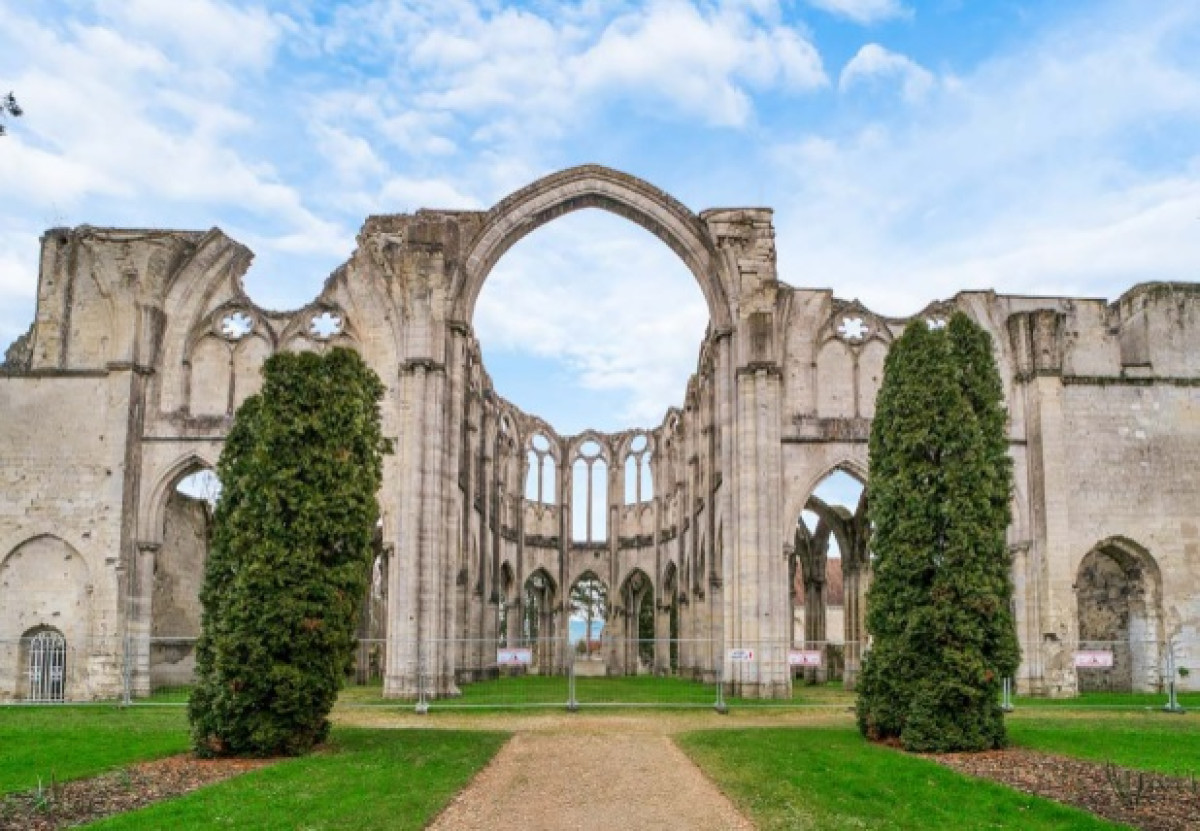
(144, 344)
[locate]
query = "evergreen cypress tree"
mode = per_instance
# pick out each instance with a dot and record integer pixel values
(939, 604)
(290, 556)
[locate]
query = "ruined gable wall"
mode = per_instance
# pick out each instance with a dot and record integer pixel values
(62, 466)
(1131, 449)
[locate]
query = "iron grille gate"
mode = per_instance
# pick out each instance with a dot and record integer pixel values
(47, 666)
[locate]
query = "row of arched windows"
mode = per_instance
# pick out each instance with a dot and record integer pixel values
(589, 482)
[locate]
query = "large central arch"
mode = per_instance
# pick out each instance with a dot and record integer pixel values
(591, 186)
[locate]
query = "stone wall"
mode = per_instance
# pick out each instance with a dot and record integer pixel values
(144, 344)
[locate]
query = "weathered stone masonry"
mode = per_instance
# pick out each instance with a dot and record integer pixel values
(144, 344)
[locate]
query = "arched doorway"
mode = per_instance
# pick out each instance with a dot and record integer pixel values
(177, 576)
(46, 596)
(668, 663)
(829, 571)
(46, 662)
(538, 630)
(588, 621)
(638, 645)
(1118, 592)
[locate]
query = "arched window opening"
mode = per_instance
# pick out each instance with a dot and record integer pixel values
(589, 495)
(639, 481)
(202, 485)
(540, 480)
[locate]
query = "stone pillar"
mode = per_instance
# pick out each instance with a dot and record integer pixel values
(141, 616)
(1037, 342)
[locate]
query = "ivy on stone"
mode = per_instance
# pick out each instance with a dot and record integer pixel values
(290, 557)
(939, 608)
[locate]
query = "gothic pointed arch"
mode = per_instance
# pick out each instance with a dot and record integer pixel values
(592, 186)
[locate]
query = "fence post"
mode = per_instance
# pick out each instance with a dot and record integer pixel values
(1173, 705)
(1006, 703)
(572, 703)
(720, 706)
(126, 674)
(422, 701)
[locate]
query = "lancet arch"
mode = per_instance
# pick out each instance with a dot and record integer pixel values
(592, 186)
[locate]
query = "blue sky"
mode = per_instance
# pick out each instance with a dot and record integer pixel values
(909, 149)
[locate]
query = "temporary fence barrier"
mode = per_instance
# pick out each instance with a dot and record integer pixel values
(49, 667)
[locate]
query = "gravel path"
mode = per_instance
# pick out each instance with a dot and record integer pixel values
(583, 780)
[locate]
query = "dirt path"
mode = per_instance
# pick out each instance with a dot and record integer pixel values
(584, 779)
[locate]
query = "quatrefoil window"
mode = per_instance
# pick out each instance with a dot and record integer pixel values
(936, 323)
(853, 328)
(237, 325)
(325, 325)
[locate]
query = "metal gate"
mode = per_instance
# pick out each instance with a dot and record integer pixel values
(47, 666)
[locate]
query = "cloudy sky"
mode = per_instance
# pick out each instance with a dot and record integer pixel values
(909, 149)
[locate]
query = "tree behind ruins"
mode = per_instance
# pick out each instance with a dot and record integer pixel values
(290, 556)
(939, 607)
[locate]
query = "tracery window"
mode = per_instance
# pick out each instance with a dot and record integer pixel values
(639, 479)
(541, 479)
(589, 494)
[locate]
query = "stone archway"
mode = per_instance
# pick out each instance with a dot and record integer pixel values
(46, 585)
(1118, 591)
(591, 186)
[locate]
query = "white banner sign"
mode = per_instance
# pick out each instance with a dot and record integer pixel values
(514, 657)
(1094, 659)
(804, 657)
(741, 656)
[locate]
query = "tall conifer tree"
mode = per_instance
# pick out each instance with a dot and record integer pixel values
(939, 604)
(290, 556)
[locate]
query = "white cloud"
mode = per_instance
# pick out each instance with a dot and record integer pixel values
(205, 31)
(1040, 172)
(350, 155)
(402, 194)
(863, 11)
(701, 65)
(873, 62)
(540, 71)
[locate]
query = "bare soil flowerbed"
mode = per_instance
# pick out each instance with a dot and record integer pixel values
(63, 805)
(1150, 801)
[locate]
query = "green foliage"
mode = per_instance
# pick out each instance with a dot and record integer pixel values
(9, 108)
(290, 556)
(939, 607)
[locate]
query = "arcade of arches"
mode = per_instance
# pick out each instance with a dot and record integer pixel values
(144, 344)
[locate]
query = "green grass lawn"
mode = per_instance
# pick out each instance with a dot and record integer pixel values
(1149, 741)
(64, 742)
(552, 691)
(1101, 700)
(831, 778)
(384, 779)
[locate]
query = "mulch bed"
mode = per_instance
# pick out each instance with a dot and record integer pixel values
(63, 805)
(1150, 801)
